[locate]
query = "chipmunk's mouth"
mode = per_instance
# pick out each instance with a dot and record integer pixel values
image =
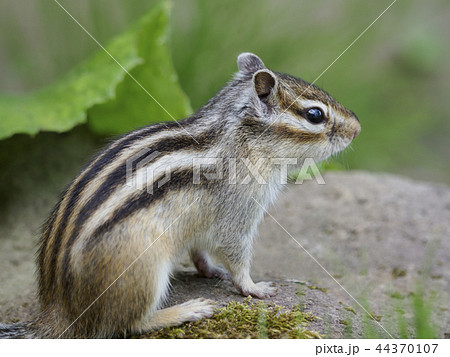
(339, 143)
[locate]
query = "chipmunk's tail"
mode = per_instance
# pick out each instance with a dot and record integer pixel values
(17, 330)
(40, 325)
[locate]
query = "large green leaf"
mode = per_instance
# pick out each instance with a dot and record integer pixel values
(134, 106)
(90, 89)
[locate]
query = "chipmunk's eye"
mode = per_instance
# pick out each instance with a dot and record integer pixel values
(315, 115)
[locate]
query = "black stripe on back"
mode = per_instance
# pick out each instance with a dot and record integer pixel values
(119, 175)
(106, 157)
(102, 160)
(118, 178)
(178, 179)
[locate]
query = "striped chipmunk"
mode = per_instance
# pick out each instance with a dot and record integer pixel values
(200, 185)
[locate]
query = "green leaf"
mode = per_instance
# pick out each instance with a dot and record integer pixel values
(90, 89)
(133, 106)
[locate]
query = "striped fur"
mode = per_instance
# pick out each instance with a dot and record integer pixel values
(101, 224)
(13, 331)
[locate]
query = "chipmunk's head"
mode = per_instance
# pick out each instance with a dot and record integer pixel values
(302, 115)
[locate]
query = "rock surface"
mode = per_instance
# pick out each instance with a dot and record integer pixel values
(370, 239)
(376, 237)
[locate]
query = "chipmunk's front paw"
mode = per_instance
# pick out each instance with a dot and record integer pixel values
(261, 290)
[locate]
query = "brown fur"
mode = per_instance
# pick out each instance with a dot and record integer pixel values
(107, 251)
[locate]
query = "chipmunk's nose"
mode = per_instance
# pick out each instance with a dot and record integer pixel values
(357, 128)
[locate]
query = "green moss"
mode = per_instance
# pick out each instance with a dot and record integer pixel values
(313, 287)
(374, 316)
(348, 308)
(351, 309)
(245, 320)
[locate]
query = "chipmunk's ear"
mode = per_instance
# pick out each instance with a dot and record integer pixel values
(249, 63)
(265, 84)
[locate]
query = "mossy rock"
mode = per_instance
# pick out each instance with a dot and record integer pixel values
(247, 319)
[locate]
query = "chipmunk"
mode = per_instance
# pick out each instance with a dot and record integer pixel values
(108, 248)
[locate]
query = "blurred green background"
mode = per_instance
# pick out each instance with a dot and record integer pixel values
(395, 78)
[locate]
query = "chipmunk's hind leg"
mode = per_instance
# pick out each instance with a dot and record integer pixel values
(192, 310)
(205, 267)
(155, 318)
